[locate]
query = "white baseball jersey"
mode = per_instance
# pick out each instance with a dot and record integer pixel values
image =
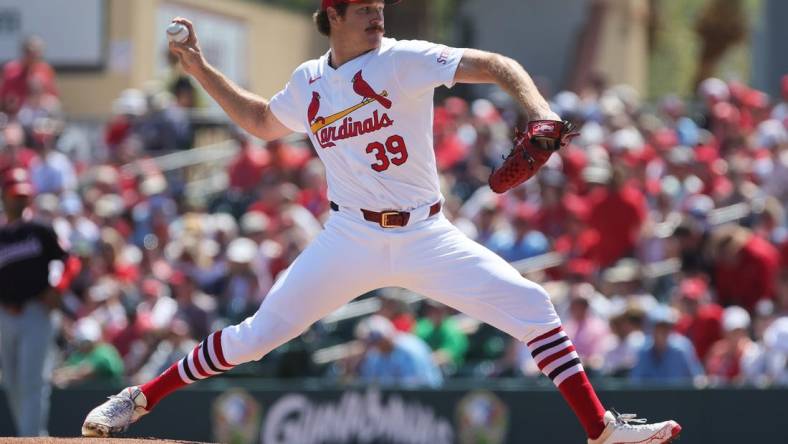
(371, 121)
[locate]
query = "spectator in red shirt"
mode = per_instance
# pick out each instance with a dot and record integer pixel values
(17, 75)
(449, 147)
(134, 331)
(723, 362)
(396, 310)
(574, 160)
(617, 213)
(14, 153)
(128, 109)
(246, 170)
(39, 104)
(286, 161)
(701, 319)
(552, 212)
(314, 193)
(745, 267)
(579, 241)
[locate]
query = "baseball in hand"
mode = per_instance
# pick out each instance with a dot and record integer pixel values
(177, 33)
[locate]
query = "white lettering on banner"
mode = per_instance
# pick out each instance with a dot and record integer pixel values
(359, 417)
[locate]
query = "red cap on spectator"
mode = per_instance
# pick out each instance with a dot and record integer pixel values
(653, 185)
(441, 119)
(325, 4)
(456, 106)
(16, 182)
(525, 213)
(748, 97)
(177, 278)
(706, 154)
(738, 89)
(580, 267)
(693, 288)
(574, 160)
(758, 99)
(576, 206)
(726, 112)
(664, 139)
(631, 158)
(151, 287)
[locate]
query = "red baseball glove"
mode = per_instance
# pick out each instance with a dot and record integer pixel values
(531, 150)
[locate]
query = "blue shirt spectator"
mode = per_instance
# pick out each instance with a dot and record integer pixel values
(532, 244)
(521, 242)
(666, 355)
(393, 357)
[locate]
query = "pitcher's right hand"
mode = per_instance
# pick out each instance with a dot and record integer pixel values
(188, 53)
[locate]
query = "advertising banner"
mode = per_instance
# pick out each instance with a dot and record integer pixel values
(231, 411)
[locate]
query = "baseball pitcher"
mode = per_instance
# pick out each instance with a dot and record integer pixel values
(367, 107)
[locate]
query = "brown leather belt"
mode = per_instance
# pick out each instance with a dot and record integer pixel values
(390, 218)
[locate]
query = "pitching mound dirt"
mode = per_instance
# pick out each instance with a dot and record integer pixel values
(90, 440)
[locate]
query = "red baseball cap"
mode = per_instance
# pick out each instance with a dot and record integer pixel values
(693, 288)
(16, 181)
(576, 206)
(524, 213)
(579, 267)
(325, 4)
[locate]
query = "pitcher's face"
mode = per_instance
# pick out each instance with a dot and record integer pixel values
(363, 24)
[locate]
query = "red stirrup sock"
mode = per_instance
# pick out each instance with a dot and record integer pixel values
(206, 360)
(557, 359)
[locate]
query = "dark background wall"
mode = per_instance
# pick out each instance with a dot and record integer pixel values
(770, 49)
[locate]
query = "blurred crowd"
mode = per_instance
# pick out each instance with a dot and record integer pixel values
(667, 217)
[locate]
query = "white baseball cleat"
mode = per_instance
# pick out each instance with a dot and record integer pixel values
(620, 430)
(115, 415)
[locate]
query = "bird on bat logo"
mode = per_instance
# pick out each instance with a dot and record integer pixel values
(362, 88)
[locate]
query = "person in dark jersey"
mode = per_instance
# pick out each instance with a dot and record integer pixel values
(30, 284)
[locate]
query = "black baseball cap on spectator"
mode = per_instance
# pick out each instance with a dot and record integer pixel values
(16, 182)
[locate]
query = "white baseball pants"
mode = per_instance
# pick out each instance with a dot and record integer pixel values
(351, 257)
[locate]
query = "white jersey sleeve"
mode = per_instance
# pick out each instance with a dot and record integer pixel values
(421, 66)
(288, 104)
